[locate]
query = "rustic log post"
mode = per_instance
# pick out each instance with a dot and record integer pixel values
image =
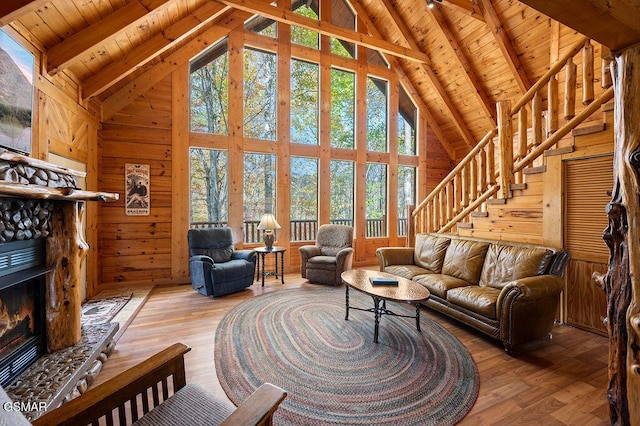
(66, 248)
(606, 80)
(622, 281)
(522, 140)
(411, 228)
(552, 105)
(587, 73)
(570, 82)
(536, 119)
(505, 141)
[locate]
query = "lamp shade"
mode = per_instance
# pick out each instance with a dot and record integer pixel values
(268, 221)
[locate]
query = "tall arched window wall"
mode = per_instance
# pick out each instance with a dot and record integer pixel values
(315, 131)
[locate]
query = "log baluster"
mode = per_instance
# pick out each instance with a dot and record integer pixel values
(457, 194)
(522, 140)
(587, 73)
(465, 186)
(552, 105)
(449, 200)
(570, 82)
(505, 141)
(536, 119)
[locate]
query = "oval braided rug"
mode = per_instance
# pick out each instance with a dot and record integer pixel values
(332, 370)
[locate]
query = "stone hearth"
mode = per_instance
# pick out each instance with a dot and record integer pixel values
(65, 374)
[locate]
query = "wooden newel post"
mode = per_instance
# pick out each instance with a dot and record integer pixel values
(505, 140)
(622, 281)
(411, 226)
(66, 248)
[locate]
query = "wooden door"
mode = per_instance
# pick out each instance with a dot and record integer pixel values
(588, 183)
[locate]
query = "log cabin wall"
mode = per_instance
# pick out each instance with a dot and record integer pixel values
(136, 249)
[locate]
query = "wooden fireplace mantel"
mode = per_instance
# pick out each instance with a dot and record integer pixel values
(66, 246)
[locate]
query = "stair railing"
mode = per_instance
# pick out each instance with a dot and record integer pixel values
(476, 179)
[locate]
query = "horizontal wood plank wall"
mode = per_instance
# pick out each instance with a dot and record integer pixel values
(137, 249)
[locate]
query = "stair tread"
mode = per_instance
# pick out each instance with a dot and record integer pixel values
(515, 186)
(587, 130)
(479, 214)
(534, 170)
(559, 151)
(464, 225)
(497, 201)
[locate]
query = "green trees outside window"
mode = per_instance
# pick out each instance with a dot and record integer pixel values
(407, 118)
(260, 94)
(342, 191)
(406, 195)
(343, 99)
(376, 209)
(377, 92)
(210, 96)
(304, 198)
(208, 186)
(305, 81)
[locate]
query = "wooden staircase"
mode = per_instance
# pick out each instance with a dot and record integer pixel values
(498, 186)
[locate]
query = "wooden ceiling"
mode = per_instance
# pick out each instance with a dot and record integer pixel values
(461, 56)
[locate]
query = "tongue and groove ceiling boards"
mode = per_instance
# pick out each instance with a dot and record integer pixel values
(461, 56)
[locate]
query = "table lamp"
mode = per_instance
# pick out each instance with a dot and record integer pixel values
(268, 223)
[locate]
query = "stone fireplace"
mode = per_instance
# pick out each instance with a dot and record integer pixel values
(41, 251)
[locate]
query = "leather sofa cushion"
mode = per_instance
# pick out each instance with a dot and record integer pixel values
(406, 271)
(464, 260)
(481, 300)
(429, 252)
(439, 284)
(505, 263)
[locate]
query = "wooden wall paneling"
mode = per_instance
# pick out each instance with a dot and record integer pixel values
(132, 260)
(586, 302)
(180, 207)
(552, 226)
(91, 211)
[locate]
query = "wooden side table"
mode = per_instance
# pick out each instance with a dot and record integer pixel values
(261, 254)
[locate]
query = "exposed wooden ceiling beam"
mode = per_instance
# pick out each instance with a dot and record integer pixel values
(165, 66)
(63, 54)
(505, 45)
(465, 6)
(615, 24)
(287, 16)
(407, 35)
(157, 45)
(486, 103)
(11, 10)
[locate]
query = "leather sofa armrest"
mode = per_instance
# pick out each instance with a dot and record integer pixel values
(394, 256)
(201, 258)
(527, 308)
(531, 288)
(248, 255)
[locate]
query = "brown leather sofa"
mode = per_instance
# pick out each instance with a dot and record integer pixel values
(509, 291)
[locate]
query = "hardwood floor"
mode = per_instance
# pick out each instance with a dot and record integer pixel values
(561, 382)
